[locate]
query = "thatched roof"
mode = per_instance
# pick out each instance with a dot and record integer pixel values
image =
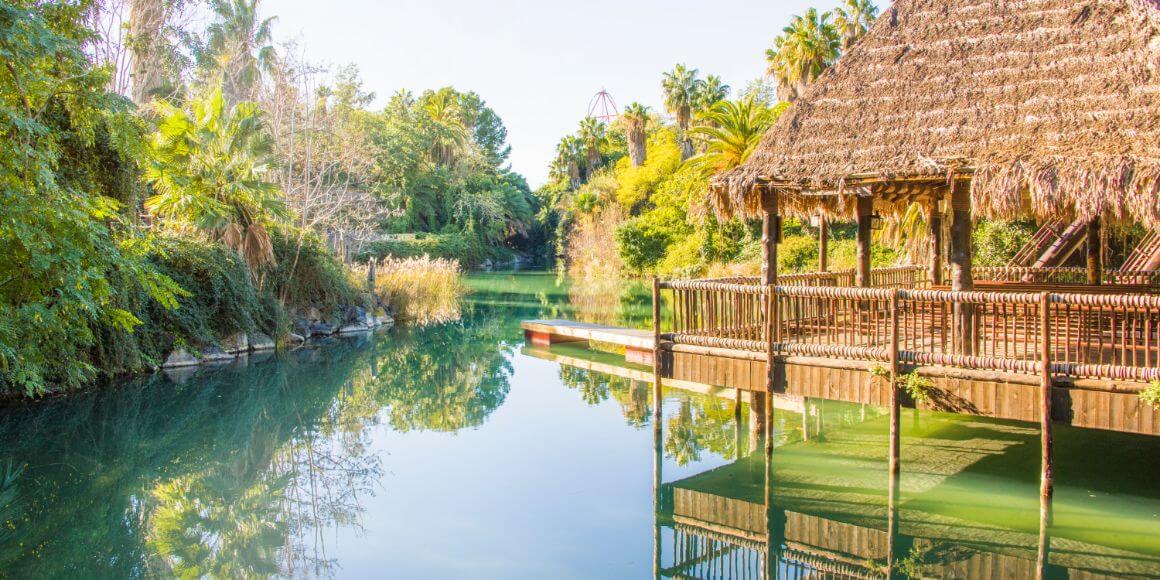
(1053, 107)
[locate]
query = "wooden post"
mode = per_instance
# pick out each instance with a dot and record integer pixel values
(738, 441)
(1047, 479)
(371, 275)
(934, 220)
(823, 244)
(961, 260)
(892, 547)
(657, 360)
(770, 236)
(805, 418)
(1043, 558)
(1095, 266)
(865, 229)
(895, 404)
(658, 462)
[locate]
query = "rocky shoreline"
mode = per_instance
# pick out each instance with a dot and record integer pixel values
(308, 326)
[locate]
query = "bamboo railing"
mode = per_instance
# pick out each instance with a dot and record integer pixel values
(1085, 335)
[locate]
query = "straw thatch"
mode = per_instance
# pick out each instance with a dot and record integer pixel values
(1051, 106)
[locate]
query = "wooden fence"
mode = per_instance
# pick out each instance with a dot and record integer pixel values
(1081, 335)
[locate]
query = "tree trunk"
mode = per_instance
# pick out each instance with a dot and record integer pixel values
(146, 19)
(637, 147)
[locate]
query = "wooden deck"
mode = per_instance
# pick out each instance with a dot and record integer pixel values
(638, 344)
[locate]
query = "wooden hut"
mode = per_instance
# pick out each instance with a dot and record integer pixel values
(1044, 108)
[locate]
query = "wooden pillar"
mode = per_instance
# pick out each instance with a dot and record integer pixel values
(895, 403)
(823, 244)
(738, 440)
(657, 360)
(770, 237)
(756, 419)
(658, 461)
(1047, 478)
(1095, 266)
(865, 228)
(371, 275)
(892, 540)
(934, 221)
(961, 260)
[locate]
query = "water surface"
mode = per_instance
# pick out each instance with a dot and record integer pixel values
(454, 451)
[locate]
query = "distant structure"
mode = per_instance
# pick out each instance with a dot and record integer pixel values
(603, 107)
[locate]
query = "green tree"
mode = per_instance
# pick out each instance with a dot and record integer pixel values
(210, 166)
(731, 132)
(238, 48)
(805, 48)
(711, 92)
(852, 19)
(594, 135)
(682, 86)
(635, 119)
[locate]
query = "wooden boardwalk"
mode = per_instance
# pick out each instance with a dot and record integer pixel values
(638, 344)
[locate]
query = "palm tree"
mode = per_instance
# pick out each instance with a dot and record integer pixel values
(681, 87)
(852, 19)
(635, 120)
(239, 47)
(569, 155)
(802, 52)
(211, 168)
(451, 135)
(732, 131)
(711, 92)
(594, 134)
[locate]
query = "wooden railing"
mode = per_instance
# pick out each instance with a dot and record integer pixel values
(1087, 335)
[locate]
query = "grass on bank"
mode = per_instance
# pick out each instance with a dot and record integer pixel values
(421, 290)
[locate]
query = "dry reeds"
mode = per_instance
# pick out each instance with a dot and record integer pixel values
(420, 290)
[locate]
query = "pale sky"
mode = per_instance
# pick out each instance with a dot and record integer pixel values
(538, 64)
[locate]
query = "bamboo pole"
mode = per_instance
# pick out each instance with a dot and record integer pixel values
(658, 460)
(961, 262)
(1047, 479)
(865, 229)
(1095, 267)
(823, 244)
(895, 404)
(934, 220)
(770, 236)
(656, 313)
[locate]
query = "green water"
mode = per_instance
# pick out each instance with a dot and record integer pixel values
(454, 451)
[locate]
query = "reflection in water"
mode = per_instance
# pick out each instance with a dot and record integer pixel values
(260, 469)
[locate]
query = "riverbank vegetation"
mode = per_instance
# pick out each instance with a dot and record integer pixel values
(169, 187)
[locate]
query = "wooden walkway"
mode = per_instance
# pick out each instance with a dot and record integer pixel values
(638, 344)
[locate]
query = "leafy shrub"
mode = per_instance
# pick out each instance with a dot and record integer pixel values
(420, 290)
(639, 245)
(1151, 394)
(996, 241)
(307, 274)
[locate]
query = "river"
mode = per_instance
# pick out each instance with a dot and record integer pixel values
(452, 451)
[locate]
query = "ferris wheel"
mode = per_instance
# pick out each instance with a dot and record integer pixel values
(603, 107)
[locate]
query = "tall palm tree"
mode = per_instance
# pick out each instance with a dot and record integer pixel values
(681, 86)
(594, 134)
(802, 52)
(635, 120)
(451, 134)
(238, 45)
(211, 166)
(711, 92)
(852, 19)
(732, 131)
(569, 155)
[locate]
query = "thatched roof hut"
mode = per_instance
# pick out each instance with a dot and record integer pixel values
(1049, 107)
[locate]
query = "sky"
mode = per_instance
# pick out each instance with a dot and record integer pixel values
(538, 64)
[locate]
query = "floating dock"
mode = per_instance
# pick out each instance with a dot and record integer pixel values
(638, 344)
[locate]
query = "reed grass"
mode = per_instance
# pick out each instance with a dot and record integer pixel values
(421, 290)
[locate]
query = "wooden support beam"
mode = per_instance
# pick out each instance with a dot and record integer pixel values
(770, 236)
(865, 229)
(895, 403)
(1095, 266)
(935, 222)
(657, 360)
(961, 260)
(823, 244)
(1047, 478)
